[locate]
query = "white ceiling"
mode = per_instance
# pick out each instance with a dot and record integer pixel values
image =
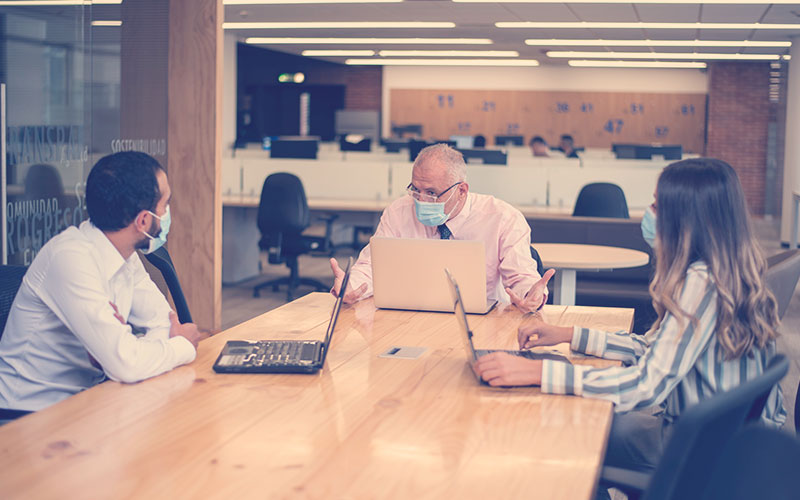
(476, 20)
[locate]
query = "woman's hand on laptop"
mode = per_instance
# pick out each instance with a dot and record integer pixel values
(502, 369)
(350, 295)
(535, 332)
(534, 299)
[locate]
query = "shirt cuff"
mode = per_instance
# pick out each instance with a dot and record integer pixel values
(184, 350)
(562, 378)
(588, 341)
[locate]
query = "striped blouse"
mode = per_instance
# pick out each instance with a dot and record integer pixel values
(674, 366)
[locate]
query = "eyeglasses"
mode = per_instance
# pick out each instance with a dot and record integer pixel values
(428, 196)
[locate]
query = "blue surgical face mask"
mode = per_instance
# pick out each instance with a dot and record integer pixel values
(158, 241)
(649, 226)
(431, 213)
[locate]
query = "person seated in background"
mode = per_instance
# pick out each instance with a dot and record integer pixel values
(716, 327)
(539, 146)
(70, 324)
(567, 146)
(439, 205)
(479, 142)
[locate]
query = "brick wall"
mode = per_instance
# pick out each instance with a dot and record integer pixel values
(738, 119)
(363, 89)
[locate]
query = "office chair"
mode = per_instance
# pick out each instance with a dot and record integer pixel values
(162, 261)
(10, 281)
(698, 440)
(601, 199)
(283, 215)
(759, 462)
(783, 272)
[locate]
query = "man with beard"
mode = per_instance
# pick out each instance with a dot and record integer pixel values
(72, 322)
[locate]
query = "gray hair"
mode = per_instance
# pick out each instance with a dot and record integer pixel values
(446, 156)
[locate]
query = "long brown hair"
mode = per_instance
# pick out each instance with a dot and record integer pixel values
(701, 216)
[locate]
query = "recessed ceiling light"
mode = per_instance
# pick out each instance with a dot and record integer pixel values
(638, 25)
(448, 53)
(337, 25)
(659, 55)
(653, 43)
(340, 53)
(388, 41)
(106, 23)
(636, 64)
(442, 62)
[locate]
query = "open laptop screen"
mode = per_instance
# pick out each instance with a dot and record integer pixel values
(458, 309)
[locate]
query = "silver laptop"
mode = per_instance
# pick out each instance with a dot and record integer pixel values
(407, 274)
(469, 347)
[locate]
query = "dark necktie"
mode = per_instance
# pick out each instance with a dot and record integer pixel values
(444, 232)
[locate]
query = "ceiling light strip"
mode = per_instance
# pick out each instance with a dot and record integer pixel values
(740, 2)
(571, 54)
(640, 25)
(386, 41)
(338, 53)
(636, 64)
(337, 25)
(442, 62)
(448, 53)
(540, 42)
(279, 2)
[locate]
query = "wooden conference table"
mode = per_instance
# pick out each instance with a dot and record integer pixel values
(571, 257)
(365, 427)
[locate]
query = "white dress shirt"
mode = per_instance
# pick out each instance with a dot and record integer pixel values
(62, 314)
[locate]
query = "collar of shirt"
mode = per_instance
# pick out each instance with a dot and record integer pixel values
(111, 260)
(457, 222)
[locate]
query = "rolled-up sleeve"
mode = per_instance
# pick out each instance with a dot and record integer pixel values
(517, 267)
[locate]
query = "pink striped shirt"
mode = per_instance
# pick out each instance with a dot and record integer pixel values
(500, 226)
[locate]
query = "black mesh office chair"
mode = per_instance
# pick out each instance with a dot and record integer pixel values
(283, 215)
(783, 272)
(759, 462)
(162, 261)
(698, 441)
(601, 199)
(10, 281)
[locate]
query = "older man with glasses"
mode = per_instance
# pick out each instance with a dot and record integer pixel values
(439, 205)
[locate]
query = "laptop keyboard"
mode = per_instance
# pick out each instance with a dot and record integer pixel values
(284, 353)
(526, 354)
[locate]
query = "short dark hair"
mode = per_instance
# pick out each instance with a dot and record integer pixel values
(119, 187)
(535, 139)
(479, 141)
(567, 137)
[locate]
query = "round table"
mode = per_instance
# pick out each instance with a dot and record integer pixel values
(568, 258)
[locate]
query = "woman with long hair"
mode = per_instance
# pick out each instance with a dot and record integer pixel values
(716, 326)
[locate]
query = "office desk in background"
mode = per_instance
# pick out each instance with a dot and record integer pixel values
(365, 427)
(240, 235)
(569, 258)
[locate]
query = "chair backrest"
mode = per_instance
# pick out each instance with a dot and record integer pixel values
(702, 432)
(283, 207)
(162, 261)
(759, 462)
(10, 281)
(601, 199)
(783, 271)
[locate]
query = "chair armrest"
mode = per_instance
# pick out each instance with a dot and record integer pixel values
(624, 479)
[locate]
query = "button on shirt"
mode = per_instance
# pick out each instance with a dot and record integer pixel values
(61, 315)
(501, 227)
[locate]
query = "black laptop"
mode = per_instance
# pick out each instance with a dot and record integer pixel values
(472, 353)
(280, 356)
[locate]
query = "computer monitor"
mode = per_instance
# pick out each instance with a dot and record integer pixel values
(486, 156)
(294, 147)
(411, 128)
(647, 151)
(513, 140)
(463, 141)
(353, 142)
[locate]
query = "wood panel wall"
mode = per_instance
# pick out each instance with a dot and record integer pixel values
(594, 119)
(195, 157)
